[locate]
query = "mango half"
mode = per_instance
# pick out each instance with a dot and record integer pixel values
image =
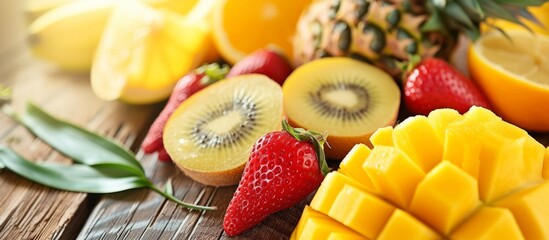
(442, 176)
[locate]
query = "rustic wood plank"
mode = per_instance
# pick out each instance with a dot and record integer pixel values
(31, 211)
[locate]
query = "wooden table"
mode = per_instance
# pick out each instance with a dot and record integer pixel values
(32, 211)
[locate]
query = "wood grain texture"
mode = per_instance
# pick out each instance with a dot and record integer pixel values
(29, 210)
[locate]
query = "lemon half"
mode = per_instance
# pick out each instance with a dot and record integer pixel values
(514, 74)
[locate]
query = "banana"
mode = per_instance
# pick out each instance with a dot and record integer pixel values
(68, 35)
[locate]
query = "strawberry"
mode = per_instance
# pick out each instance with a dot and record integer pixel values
(283, 168)
(266, 62)
(185, 87)
(434, 84)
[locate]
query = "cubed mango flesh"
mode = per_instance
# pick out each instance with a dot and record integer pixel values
(441, 118)
(417, 138)
(402, 225)
(507, 164)
(487, 224)
(491, 181)
(315, 225)
(445, 197)
(382, 137)
(342, 199)
(351, 166)
(530, 208)
(546, 164)
(383, 164)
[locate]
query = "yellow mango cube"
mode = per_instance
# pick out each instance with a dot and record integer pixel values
(479, 115)
(445, 197)
(343, 199)
(417, 138)
(382, 137)
(351, 166)
(402, 225)
(393, 174)
(546, 164)
(441, 118)
(530, 208)
(315, 225)
(503, 166)
(462, 146)
(489, 223)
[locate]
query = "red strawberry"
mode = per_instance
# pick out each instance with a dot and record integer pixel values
(266, 62)
(284, 167)
(434, 84)
(185, 87)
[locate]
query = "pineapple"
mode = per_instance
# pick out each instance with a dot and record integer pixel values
(385, 32)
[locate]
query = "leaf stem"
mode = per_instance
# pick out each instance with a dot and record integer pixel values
(176, 200)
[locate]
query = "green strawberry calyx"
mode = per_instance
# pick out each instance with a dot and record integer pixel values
(317, 139)
(212, 72)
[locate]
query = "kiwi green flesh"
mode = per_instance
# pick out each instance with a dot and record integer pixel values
(215, 129)
(342, 96)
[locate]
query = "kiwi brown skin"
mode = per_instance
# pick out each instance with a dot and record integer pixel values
(225, 178)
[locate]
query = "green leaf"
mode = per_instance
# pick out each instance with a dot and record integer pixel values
(455, 11)
(5, 93)
(77, 178)
(168, 189)
(77, 143)
(522, 2)
(473, 9)
(104, 178)
(433, 23)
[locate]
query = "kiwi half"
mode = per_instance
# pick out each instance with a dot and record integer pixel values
(347, 98)
(210, 135)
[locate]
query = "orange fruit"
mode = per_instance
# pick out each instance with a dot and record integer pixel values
(243, 26)
(514, 75)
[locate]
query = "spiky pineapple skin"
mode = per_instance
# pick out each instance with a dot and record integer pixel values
(378, 32)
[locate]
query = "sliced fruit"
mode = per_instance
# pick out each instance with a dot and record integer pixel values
(210, 135)
(440, 205)
(546, 164)
(315, 225)
(382, 137)
(442, 118)
(351, 166)
(143, 52)
(385, 162)
(402, 225)
(36, 8)
(417, 138)
(347, 98)
(343, 200)
(67, 36)
(489, 223)
(514, 75)
(494, 190)
(530, 210)
(243, 26)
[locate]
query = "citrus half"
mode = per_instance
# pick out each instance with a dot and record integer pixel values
(514, 75)
(243, 26)
(143, 52)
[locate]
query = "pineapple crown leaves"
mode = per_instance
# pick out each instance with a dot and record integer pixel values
(317, 139)
(466, 15)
